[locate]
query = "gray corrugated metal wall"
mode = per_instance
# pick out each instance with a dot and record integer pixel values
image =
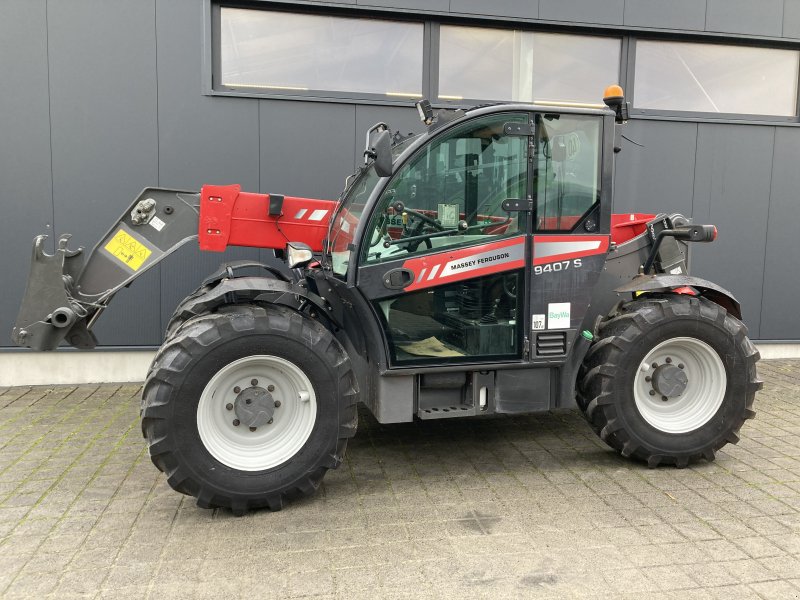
(102, 99)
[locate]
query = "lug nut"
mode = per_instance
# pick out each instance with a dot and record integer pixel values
(648, 379)
(668, 359)
(652, 392)
(229, 406)
(253, 428)
(655, 365)
(236, 422)
(270, 388)
(277, 403)
(254, 382)
(237, 389)
(680, 365)
(270, 422)
(664, 398)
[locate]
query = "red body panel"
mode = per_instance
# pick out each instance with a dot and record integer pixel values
(627, 226)
(230, 217)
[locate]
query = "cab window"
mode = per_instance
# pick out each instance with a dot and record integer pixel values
(451, 192)
(567, 169)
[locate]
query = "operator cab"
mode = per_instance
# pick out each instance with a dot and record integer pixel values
(444, 248)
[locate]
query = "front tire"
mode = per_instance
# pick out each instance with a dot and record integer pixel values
(670, 380)
(248, 408)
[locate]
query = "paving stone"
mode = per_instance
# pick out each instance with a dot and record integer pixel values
(512, 507)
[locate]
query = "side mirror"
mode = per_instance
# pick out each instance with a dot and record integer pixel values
(379, 149)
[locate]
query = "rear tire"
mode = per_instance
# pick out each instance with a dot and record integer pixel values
(670, 380)
(274, 359)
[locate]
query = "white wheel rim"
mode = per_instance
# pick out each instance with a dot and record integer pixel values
(271, 444)
(704, 393)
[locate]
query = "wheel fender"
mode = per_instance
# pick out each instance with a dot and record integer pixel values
(667, 283)
(242, 290)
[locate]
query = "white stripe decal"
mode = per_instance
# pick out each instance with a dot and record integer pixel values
(300, 213)
(318, 215)
(434, 271)
(548, 249)
(421, 274)
(345, 226)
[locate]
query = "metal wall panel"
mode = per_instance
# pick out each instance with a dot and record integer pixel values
(764, 17)
(202, 139)
(307, 148)
(419, 5)
(104, 135)
(791, 18)
(522, 9)
(608, 12)
(122, 115)
(780, 317)
(675, 14)
(731, 191)
(26, 193)
(657, 176)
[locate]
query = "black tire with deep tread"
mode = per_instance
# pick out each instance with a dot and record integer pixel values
(605, 393)
(176, 321)
(186, 363)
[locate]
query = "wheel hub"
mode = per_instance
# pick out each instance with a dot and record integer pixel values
(254, 407)
(680, 385)
(669, 381)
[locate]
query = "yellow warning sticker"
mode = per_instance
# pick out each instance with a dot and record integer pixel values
(128, 250)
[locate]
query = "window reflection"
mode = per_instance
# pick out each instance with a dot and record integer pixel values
(286, 52)
(716, 78)
(523, 66)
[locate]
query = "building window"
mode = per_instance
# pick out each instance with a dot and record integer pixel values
(715, 78)
(509, 65)
(281, 52)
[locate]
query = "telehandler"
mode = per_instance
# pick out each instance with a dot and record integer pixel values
(471, 270)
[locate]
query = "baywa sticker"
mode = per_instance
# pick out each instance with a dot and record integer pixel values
(558, 315)
(128, 250)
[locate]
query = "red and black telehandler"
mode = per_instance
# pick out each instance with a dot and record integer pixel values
(474, 269)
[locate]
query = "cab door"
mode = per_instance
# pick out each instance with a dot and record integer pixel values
(442, 263)
(571, 184)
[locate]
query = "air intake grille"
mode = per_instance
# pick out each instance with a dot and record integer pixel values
(551, 343)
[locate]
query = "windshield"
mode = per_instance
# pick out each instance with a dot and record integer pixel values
(348, 213)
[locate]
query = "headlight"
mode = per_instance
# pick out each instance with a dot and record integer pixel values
(298, 254)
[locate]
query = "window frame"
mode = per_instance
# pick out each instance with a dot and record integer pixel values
(216, 88)
(703, 116)
(415, 153)
(468, 102)
(430, 60)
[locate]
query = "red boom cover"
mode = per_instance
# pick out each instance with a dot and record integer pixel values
(230, 217)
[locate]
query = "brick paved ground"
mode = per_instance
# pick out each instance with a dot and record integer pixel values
(503, 507)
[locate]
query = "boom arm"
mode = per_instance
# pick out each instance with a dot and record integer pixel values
(64, 296)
